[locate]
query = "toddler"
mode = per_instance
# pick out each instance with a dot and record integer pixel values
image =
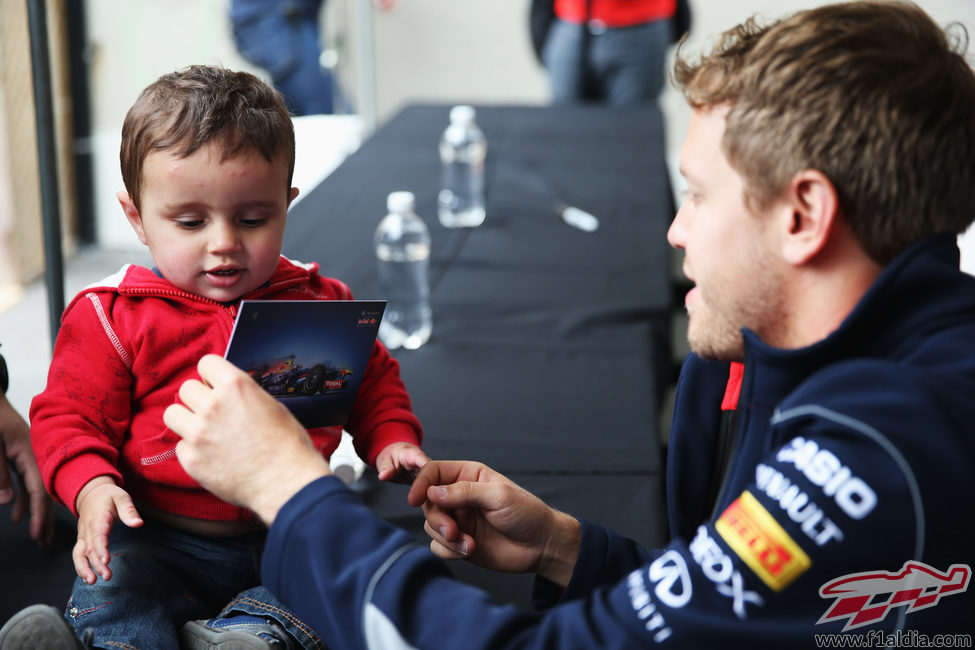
(207, 157)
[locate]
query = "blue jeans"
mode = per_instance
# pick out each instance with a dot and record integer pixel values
(617, 67)
(162, 578)
(283, 37)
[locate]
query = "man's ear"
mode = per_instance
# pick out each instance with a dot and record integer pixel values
(292, 195)
(814, 207)
(132, 214)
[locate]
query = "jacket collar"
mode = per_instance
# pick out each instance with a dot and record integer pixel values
(916, 292)
(132, 279)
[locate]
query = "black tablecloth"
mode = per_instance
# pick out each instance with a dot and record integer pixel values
(550, 345)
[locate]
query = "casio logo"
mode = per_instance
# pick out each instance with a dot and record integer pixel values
(825, 470)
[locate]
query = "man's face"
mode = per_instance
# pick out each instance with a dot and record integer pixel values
(729, 252)
(214, 228)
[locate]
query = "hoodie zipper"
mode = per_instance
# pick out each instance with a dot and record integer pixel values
(731, 441)
(232, 308)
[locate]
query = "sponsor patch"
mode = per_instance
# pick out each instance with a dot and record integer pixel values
(758, 539)
(824, 469)
(719, 568)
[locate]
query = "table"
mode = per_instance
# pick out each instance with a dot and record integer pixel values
(550, 346)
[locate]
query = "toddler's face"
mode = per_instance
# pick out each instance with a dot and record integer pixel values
(214, 228)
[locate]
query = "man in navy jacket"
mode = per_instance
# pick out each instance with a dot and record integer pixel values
(820, 471)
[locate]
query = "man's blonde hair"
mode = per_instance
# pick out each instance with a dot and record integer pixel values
(875, 95)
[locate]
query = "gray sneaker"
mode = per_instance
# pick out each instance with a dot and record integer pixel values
(242, 632)
(38, 626)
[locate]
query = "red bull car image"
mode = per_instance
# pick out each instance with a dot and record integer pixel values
(286, 376)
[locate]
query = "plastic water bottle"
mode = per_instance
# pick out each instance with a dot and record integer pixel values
(462, 151)
(403, 252)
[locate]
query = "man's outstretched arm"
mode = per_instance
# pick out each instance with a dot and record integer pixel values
(363, 583)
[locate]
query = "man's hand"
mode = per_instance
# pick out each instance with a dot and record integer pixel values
(16, 454)
(475, 513)
(239, 442)
(399, 462)
(100, 504)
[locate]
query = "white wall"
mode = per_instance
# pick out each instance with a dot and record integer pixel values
(424, 50)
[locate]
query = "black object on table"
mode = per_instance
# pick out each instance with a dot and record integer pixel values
(550, 345)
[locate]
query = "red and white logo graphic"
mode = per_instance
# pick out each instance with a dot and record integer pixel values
(868, 597)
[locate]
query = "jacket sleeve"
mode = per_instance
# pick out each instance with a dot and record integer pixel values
(749, 577)
(79, 420)
(362, 583)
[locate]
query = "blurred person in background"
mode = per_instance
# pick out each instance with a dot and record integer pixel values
(284, 37)
(606, 51)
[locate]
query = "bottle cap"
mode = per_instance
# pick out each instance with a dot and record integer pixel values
(462, 114)
(400, 201)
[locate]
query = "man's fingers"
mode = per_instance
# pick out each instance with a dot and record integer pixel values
(41, 520)
(466, 494)
(442, 472)
(6, 481)
(212, 365)
(192, 393)
(41, 507)
(440, 524)
(21, 503)
(219, 376)
(445, 552)
(179, 419)
(447, 548)
(417, 495)
(215, 369)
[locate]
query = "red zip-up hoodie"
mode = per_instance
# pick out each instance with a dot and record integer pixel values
(126, 345)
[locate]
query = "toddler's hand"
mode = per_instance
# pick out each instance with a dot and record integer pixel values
(399, 462)
(100, 504)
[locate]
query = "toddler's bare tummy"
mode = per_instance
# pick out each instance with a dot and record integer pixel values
(202, 527)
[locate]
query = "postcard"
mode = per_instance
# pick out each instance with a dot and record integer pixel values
(310, 354)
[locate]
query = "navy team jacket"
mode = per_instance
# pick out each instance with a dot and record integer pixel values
(829, 491)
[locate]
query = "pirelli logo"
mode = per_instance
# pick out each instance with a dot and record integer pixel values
(761, 542)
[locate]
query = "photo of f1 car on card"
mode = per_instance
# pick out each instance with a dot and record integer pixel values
(311, 355)
(286, 376)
